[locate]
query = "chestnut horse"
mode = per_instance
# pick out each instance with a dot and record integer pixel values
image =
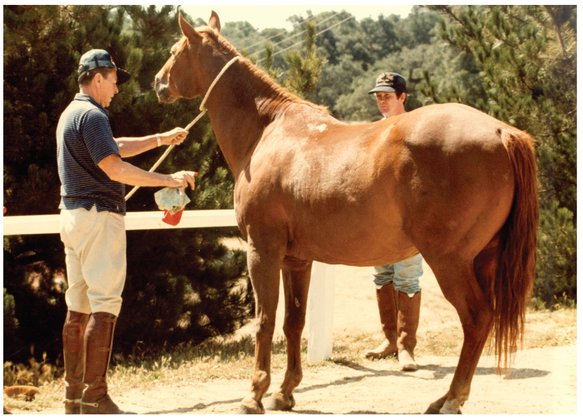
(444, 180)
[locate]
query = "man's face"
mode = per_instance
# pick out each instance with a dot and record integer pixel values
(389, 104)
(107, 86)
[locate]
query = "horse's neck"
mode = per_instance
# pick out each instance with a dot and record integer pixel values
(240, 109)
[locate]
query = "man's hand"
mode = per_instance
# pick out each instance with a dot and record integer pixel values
(174, 137)
(183, 179)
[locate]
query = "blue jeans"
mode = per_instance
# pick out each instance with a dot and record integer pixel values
(403, 274)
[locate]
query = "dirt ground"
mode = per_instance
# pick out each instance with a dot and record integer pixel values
(541, 381)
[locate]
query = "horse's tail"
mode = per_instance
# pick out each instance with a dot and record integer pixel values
(514, 277)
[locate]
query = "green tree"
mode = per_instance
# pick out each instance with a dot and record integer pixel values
(12, 341)
(36, 89)
(423, 59)
(417, 28)
(339, 88)
(304, 71)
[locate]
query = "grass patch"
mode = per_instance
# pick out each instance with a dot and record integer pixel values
(215, 358)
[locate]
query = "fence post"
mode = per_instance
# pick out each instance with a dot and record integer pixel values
(320, 312)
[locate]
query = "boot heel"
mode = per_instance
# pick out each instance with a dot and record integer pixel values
(104, 406)
(72, 406)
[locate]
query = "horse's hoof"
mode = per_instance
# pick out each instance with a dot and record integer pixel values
(280, 402)
(444, 407)
(251, 406)
(451, 407)
(432, 410)
(435, 407)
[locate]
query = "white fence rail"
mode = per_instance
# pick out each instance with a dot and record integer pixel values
(320, 301)
(49, 224)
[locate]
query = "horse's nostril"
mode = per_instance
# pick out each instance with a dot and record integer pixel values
(157, 79)
(158, 86)
(164, 95)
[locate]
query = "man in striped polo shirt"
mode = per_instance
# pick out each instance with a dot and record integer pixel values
(93, 175)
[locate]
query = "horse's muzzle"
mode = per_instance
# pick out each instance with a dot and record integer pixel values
(162, 91)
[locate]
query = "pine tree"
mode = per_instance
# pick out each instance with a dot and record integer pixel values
(304, 71)
(36, 87)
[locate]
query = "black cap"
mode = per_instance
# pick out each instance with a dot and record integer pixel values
(100, 58)
(389, 83)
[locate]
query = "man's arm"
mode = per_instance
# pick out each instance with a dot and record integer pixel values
(118, 170)
(130, 146)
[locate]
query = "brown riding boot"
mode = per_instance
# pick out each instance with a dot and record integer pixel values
(408, 320)
(387, 302)
(74, 358)
(98, 343)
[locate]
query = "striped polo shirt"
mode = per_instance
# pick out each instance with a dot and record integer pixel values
(84, 138)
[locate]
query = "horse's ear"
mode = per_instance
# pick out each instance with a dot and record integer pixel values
(187, 29)
(214, 21)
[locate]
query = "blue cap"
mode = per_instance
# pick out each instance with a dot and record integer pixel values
(100, 58)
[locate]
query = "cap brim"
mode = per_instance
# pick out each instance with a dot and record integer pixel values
(383, 89)
(122, 76)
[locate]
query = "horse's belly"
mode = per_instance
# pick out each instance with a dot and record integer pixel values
(360, 244)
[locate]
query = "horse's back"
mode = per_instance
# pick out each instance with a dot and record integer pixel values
(453, 125)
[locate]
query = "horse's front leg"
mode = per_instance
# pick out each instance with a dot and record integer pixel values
(296, 281)
(264, 267)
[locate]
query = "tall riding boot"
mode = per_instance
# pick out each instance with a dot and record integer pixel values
(386, 300)
(73, 356)
(408, 320)
(98, 343)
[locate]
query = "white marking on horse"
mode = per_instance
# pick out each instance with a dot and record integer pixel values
(450, 407)
(320, 128)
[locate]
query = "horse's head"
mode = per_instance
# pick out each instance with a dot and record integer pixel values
(180, 76)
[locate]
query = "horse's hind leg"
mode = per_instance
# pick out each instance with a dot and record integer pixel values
(296, 281)
(460, 287)
(264, 271)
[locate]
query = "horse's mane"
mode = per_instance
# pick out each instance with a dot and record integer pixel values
(280, 93)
